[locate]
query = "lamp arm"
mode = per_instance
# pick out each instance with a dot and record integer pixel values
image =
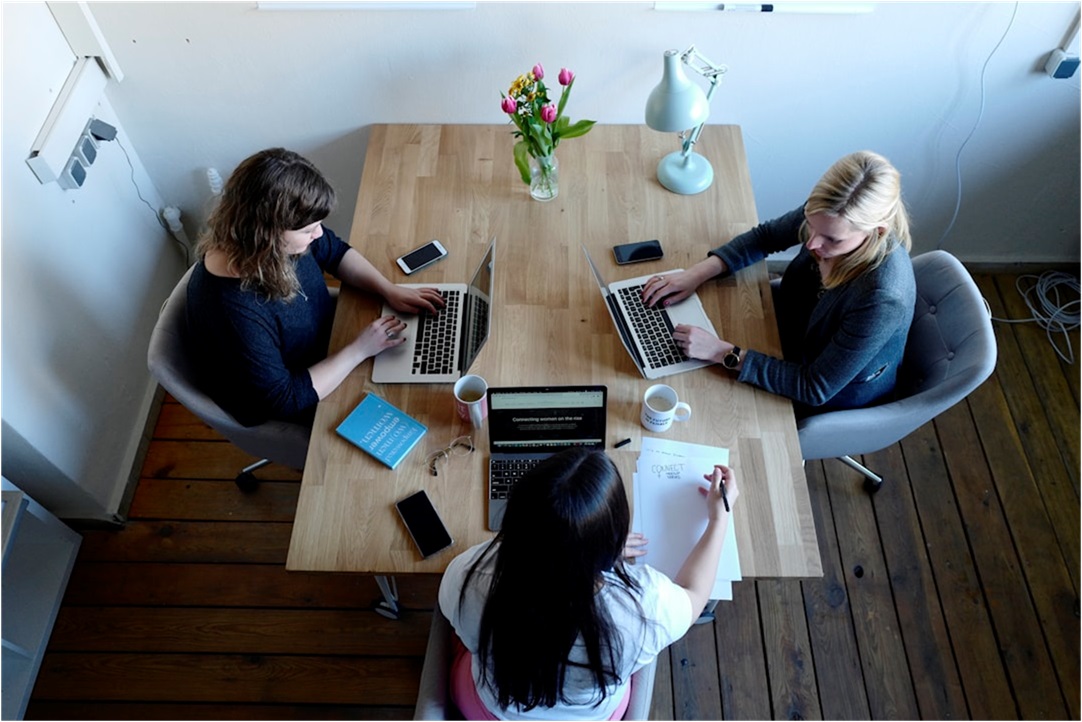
(690, 141)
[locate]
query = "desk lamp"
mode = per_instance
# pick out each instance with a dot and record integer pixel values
(677, 105)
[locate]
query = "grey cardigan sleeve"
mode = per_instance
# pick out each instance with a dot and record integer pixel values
(753, 246)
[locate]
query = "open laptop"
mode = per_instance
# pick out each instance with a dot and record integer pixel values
(647, 332)
(528, 424)
(440, 347)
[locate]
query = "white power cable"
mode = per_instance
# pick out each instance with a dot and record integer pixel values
(1052, 307)
(972, 132)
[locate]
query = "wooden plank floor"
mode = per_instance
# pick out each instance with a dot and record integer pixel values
(952, 594)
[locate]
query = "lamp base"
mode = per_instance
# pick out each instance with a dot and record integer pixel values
(686, 175)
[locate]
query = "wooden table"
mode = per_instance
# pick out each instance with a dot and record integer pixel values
(550, 326)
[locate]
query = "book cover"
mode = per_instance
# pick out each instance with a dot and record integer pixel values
(382, 430)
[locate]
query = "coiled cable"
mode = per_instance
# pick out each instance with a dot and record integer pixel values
(1053, 299)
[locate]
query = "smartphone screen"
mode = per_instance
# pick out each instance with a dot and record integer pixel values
(421, 257)
(636, 252)
(424, 524)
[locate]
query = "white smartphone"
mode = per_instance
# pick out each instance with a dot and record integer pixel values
(418, 258)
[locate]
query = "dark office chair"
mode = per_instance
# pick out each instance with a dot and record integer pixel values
(950, 351)
(434, 697)
(169, 359)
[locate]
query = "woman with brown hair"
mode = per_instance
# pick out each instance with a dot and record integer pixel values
(259, 310)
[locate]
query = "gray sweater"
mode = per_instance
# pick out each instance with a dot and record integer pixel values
(842, 347)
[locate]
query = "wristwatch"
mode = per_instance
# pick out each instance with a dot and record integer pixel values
(732, 359)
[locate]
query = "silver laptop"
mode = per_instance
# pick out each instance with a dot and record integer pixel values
(440, 347)
(528, 424)
(647, 332)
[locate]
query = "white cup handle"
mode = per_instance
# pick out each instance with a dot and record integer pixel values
(682, 412)
(475, 415)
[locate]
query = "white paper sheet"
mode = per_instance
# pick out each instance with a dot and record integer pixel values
(670, 511)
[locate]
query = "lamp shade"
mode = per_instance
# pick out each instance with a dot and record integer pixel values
(676, 103)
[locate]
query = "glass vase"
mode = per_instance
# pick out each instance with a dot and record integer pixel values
(544, 177)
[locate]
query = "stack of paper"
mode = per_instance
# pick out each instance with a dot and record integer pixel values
(670, 511)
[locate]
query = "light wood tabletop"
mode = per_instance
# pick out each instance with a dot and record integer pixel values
(550, 327)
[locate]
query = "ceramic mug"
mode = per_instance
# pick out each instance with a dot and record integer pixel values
(471, 400)
(660, 407)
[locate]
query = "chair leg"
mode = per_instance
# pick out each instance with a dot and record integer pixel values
(872, 481)
(246, 481)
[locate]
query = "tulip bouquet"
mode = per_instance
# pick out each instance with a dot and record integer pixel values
(541, 125)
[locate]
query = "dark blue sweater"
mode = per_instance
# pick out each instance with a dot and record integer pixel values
(842, 347)
(253, 353)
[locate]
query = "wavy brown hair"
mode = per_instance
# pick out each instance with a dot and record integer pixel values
(866, 190)
(273, 191)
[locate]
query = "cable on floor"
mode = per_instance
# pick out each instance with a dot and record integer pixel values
(1053, 299)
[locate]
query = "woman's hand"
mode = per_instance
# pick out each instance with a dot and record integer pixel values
(381, 334)
(414, 300)
(720, 478)
(635, 545)
(669, 289)
(699, 343)
(675, 287)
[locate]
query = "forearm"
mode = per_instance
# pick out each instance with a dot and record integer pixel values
(699, 570)
(356, 270)
(328, 374)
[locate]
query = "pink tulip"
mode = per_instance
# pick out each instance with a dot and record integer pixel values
(566, 76)
(538, 72)
(509, 105)
(548, 113)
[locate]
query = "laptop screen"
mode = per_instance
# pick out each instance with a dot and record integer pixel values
(478, 310)
(532, 419)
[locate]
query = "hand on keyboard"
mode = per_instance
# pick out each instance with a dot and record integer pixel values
(699, 343)
(381, 334)
(414, 300)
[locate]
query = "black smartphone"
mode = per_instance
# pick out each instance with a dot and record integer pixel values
(424, 524)
(637, 252)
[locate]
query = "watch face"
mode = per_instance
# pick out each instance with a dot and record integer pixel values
(731, 360)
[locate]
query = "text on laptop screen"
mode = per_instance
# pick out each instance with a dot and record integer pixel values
(545, 419)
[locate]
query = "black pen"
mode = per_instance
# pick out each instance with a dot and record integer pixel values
(724, 496)
(625, 442)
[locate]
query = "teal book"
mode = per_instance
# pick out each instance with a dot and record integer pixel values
(382, 430)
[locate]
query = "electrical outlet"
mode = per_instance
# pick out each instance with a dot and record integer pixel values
(1061, 65)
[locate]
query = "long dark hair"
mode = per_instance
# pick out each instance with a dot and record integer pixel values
(273, 191)
(566, 524)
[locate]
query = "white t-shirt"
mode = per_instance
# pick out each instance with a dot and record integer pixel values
(666, 608)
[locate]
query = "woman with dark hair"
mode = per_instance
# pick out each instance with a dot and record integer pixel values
(551, 620)
(845, 302)
(258, 305)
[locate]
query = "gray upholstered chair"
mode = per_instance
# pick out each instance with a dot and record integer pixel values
(950, 351)
(434, 698)
(170, 362)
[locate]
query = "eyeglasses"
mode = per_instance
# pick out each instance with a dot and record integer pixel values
(461, 446)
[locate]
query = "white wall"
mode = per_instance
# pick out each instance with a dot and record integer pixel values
(209, 83)
(83, 275)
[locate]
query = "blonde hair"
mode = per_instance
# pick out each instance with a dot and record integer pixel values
(273, 191)
(864, 189)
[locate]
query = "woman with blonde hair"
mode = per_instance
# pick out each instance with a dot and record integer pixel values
(844, 303)
(259, 311)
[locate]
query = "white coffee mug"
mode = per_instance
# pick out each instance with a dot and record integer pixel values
(470, 399)
(660, 407)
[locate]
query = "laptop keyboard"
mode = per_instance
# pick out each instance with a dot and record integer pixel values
(503, 473)
(435, 351)
(654, 329)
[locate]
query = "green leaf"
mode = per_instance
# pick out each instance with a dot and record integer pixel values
(576, 129)
(564, 96)
(522, 160)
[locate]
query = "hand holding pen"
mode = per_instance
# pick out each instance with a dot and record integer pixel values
(723, 489)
